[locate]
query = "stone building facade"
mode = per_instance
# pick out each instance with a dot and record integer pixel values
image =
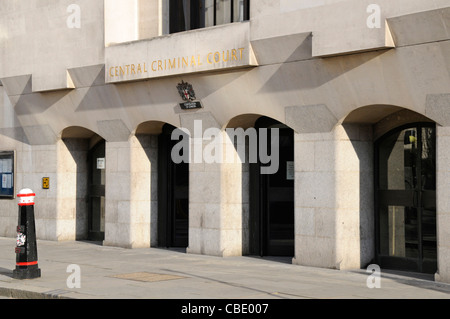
(356, 94)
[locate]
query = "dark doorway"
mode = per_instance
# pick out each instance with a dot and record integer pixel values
(405, 181)
(272, 196)
(173, 194)
(96, 188)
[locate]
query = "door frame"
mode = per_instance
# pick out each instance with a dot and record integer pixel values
(94, 191)
(408, 198)
(259, 199)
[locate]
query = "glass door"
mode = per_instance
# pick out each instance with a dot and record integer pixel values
(406, 199)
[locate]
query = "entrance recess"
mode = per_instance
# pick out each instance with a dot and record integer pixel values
(173, 194)
(96, 217)
(406, 198)
(272, 197)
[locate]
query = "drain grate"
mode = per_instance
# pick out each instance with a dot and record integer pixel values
(147, 277)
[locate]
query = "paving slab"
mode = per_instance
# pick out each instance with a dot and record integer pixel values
(152, 273)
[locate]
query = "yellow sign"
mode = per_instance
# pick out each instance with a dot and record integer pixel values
(46, 182)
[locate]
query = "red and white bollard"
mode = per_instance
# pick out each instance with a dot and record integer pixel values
(26, 247)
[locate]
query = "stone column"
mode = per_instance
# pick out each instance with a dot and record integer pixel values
(128, 192)
(216, 194)
(443, 203)
(334, 198)
(72, 177)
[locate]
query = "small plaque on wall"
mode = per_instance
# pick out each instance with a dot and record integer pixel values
(191, 105)
(187, 93)
(45, 182)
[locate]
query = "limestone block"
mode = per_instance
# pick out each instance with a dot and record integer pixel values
(421, 27)
(304, 155)
(305, 221)
(325, 221)
(295, 47)
(310, 118)
(443, 273)
(315, 189)
(113, 130)
(315, 252)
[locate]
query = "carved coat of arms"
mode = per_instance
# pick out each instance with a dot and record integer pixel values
(186, 91)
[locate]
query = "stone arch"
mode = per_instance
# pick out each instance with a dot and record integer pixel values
(73, 146)
(382, 118)
(151, 127)
(258, 215)
(152, 147)
(362, 127)
(247, 120)
(79, 132)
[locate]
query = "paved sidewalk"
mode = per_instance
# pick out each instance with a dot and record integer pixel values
(111, 272)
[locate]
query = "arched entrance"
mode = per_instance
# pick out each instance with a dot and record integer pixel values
(271, 219)
(81, 162)
(405, 198)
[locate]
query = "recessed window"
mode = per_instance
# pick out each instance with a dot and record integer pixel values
(194, 14)
(7, 174)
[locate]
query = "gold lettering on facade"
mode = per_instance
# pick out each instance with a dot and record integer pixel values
(233, 54)
(223, 56)
(176, 63)
(172, 65)
(218, 57)
(185, 61)
(128, 69)
(241, 50)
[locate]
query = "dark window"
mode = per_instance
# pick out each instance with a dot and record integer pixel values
(194, 14)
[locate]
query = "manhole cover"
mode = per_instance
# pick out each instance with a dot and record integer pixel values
(147, 277)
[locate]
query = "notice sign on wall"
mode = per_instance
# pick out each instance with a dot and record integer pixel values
(101, 163)
(7, 181)
(6, 174)
(45, 182)
(290, 170)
